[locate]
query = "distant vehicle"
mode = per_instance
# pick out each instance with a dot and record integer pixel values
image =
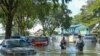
(40, 41)
(16, 47)
(90, 37)
(72, 39)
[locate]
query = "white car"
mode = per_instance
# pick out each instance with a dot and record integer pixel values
(16, 47)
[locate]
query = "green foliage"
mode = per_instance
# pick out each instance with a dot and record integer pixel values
(9, 9)
(93, 6)
(90, 15)
(24, 13)
(2, 18)
(51, 16)
(67, 22)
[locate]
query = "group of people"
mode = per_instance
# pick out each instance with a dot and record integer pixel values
(79, 43)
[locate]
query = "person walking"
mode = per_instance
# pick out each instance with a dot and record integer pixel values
(80, 43)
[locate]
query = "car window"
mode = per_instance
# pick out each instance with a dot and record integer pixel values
(16, 43)
(40, 39)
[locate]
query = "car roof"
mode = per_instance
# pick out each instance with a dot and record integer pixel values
(18, 37)
(12, 39)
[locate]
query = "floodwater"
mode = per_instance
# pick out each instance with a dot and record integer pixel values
(53, 49)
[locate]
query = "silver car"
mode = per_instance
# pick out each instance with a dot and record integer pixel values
(16, 47)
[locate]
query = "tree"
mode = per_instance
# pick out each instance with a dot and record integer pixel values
(46, 10)
(24, 17)
(2, 17)
(20, 14)
(23, 14)
(9, 8)
(90, 14)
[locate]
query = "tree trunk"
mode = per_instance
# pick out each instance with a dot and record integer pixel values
(9, 7)
(8, 26)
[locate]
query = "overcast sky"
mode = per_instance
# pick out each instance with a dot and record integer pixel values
(75, 6)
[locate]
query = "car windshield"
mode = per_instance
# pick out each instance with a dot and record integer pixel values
(17, 43)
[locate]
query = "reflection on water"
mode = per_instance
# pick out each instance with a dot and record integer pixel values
(63, 54)
(89, 45)
(86, 54)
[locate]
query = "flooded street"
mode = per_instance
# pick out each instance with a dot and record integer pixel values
(53, 49)
(49, 27)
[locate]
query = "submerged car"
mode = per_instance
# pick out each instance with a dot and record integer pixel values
(16, 47)
(40, 41)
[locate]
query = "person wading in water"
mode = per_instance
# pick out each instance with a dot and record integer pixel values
(80, 43)
(63, 43)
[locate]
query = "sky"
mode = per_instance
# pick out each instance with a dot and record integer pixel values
(75, 6)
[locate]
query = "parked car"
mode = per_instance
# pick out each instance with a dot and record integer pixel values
(90, 37)
(16, 47)
(40, 41)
